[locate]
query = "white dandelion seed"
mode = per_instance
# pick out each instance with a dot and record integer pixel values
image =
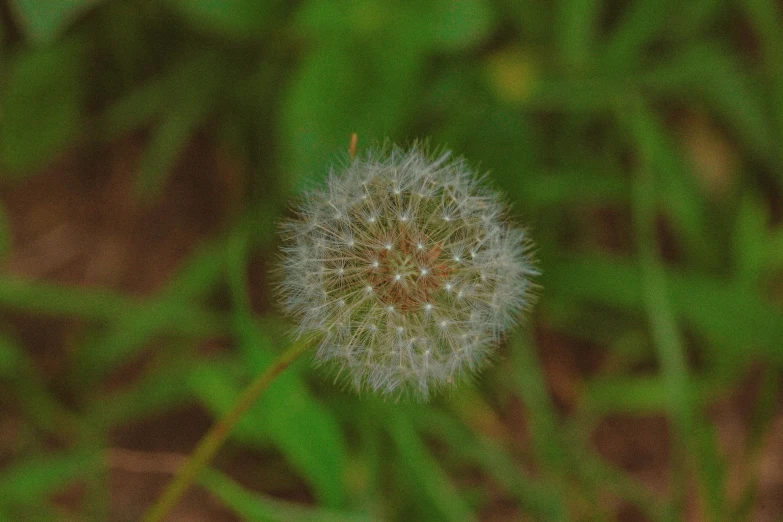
(418, 273)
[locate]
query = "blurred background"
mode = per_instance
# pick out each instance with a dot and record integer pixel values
(148, 148)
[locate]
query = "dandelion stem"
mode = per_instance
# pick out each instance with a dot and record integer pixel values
(211, 442)
(352, 145)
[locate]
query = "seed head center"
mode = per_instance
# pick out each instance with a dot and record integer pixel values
(407, 276)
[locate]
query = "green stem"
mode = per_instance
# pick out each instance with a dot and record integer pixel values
(214, 438)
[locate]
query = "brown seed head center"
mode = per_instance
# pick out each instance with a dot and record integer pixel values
(408, 274)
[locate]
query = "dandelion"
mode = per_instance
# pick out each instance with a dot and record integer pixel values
(405, 270)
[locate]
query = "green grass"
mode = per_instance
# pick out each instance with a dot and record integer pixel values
(639, 140)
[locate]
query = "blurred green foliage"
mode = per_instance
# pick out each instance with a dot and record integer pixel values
(578, 108)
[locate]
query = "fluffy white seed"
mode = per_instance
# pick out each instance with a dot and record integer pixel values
(405, 270)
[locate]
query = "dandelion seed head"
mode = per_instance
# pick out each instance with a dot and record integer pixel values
(406, 270)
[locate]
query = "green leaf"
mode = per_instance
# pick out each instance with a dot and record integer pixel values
(761, 421)
(163, 388)
(532, 19)
(10, 357)
(132, 322)
(101, 305)
(26, 482)
(501, 142)
(288, 416)
(334, 20)
(30, 394)
(235, 19)
(138, 322)
(454, 26)
(255, 507)
(680, 198)
(33, 512)
(44, 21)
(750, 239)
(437, 25)
(595, 470)
(533, 391)
(46, 298)
(636, 394)
(190, 83)
(641, 23)
(167, 143)
(215, 384)
(425, 471)
(300, 425)
(135, 109)
(774, 253)
(711, 74)
(584, 96)
(559, 188)
(687, 420)
(576, 30)
(766, 17)
(339, 90)
(196, 97)
(534, 494)
(722, 310)
(41, 106)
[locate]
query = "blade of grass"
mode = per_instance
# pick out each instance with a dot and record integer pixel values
(541, 413)
(592, 469)
(697, 16)
(637, 395)
(423, 468)
(39, 512)
(767, 19)
(146, 103)
(32, 397)
(642, 22)
(130, 331)
(751, 241)
(11, 357)
(169, 140)
(721, 310)
(163, 388)
(49, 415)
(44, 22)
(575, 187)
(26, 482)
(97, 496)
(688, 428)
(684, 203)
(294, 420)
(708, 73)
(534, 495)
(211, 442)
(762, 418)
(36, 125)
(577, 24)
(575, 96)
(258, 507)
(191, 99)
(554, 456)
(102, 305)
